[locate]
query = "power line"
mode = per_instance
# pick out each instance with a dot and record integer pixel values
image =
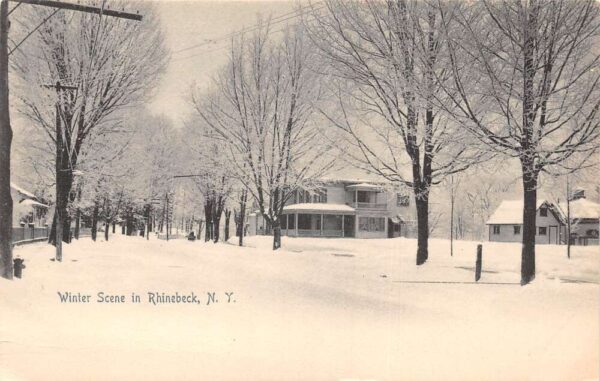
(276, 20)
(177, 59)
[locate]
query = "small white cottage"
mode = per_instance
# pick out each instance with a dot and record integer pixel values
(506, 224)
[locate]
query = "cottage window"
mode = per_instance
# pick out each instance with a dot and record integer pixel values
(517, 229)
(402, 200)
(542, 230)
(543, 212)
(496, 229)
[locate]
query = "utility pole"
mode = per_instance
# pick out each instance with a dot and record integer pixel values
(6, 204)
(60, 158)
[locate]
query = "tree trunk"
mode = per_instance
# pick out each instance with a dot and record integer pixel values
(216, 227)
(77, 223)
(227, 217)
(452, 222)
(106, 228)
(422, 204)
(276, 233)
(208, 207)
(199, 228)
(6, 203)
(529, 212)
(568, 218)
(95, 221)
(113, 227)
(243, 200)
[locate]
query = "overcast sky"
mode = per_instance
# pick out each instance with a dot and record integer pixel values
(190, 23)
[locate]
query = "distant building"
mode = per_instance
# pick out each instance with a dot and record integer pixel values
(27, 208)
(585, 221)
(506, 224)
(343, 208)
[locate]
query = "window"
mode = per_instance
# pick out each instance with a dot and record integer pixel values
(292, 221)
(402, 200)
(371, 224)
(542, 230)
(303, 221)
(284, 220)
(332, 222)
(309, 222)
(362, 196)
(517, 229)
(496, 229)
(543, 212)
(323, 194)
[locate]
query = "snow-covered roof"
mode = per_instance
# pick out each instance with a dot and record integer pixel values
(365, 186)
(22, 191)
(353, 180)
(582, 208)
(316, 207)
(29, 202)
(510, 212)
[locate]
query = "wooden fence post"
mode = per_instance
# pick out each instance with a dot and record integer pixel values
(478, 262)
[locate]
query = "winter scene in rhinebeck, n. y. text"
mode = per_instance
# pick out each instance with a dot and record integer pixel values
(299, 190)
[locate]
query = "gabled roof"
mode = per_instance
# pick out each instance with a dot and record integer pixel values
(510, 212)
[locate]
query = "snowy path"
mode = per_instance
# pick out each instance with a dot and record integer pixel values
(317, 310)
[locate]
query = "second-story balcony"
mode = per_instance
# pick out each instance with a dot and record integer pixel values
(369, 205)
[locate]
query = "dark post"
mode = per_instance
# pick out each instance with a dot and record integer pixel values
(6, 203)
(478, 262)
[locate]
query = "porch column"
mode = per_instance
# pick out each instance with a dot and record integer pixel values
(296, 223)
(343, 225)
(321, 227)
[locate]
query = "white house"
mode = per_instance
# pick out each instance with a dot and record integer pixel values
(506, 223)
(343, 208)
(27, 208)
(585, 219)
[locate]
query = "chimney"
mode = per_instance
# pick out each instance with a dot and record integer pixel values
(578, 193)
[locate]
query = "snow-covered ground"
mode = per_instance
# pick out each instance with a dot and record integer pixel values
(319, 309)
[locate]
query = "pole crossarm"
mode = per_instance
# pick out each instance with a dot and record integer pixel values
(82, 8)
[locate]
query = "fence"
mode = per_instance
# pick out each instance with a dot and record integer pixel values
(24, 234)
(20, 234)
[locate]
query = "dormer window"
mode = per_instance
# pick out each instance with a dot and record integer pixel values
(543, 211)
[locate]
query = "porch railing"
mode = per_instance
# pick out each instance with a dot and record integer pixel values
(369, 205)
(319, 233)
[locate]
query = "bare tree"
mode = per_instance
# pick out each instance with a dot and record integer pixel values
(532, 91)
(387, 61)
(261, 114)
(108, 63)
